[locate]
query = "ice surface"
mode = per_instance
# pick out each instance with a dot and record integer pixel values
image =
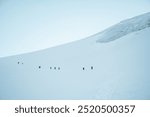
(120, 69)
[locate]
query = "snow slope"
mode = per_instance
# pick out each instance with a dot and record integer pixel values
(123, 28)
(120, 68)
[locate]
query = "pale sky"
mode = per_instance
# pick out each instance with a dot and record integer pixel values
(30, 25)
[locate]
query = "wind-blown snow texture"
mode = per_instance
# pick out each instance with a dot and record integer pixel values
(123, 28)
(84, 69)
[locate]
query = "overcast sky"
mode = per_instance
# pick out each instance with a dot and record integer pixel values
(29, 25)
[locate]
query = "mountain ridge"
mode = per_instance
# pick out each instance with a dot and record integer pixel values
(112, 33)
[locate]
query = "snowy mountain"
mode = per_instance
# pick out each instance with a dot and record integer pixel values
(85, 69)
